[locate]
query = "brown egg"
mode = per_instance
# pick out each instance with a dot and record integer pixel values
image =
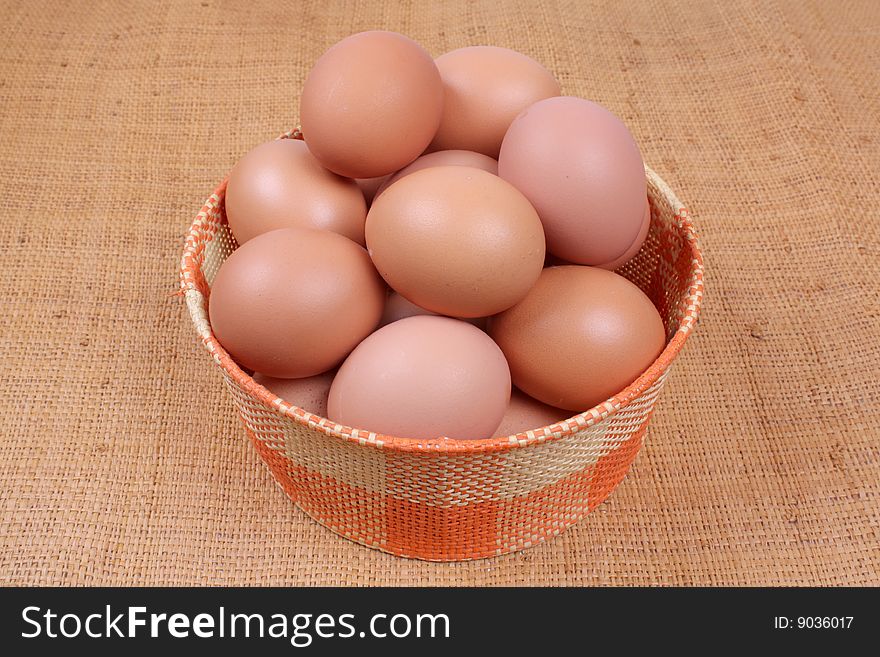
(371, 104)
(636, 246)
(397, 307)
(310, 393)
(423, 377)
(280, 184)
(485, 88)
(444, 158)
(581, 168)
(369, 187)
(525, 413)
(455, 240)
(294, 302)
(581, 335)
(551, 260)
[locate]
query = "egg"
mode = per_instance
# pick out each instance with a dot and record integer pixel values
(552, 261)
(456, 240)
(525, 413)
(369, 187)
(443, 158)
(580, 336)
(636, 245)
(423, 377)
(397, 307)
(371, 104)
(581, 168)
(310, 393)
(280, 184)
(294, 302)
(485, 88)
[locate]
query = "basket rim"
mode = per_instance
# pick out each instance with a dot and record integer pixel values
(197, 305)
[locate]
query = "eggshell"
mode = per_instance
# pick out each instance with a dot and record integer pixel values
(371, 104)
(485, 87)
(552, 261)
(294, 302)
(444, 158)
(581, 168)
(369, 187)
(423, 377)
(525, 413)
(456, 240)
(310, 393)
(581, 335)
(398, 307)
(636, 246)
(280, 184)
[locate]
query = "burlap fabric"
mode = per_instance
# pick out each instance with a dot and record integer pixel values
(121, 460)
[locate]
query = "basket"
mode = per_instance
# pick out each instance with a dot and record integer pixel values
(447, 500)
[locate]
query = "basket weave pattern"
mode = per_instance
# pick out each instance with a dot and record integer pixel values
(447, 500)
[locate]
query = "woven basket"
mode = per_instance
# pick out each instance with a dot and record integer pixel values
(445, 500)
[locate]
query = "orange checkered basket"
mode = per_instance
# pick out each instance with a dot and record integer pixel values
(447, 500)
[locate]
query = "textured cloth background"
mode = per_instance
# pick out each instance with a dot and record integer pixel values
(121, 461)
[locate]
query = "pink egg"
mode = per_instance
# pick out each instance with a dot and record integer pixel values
(636, 246)
(525, 413)
(310, 393)
(581, 168)
(423, 377)
(553, 261)
(369, 187)
(397, 307)
(443, 159)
